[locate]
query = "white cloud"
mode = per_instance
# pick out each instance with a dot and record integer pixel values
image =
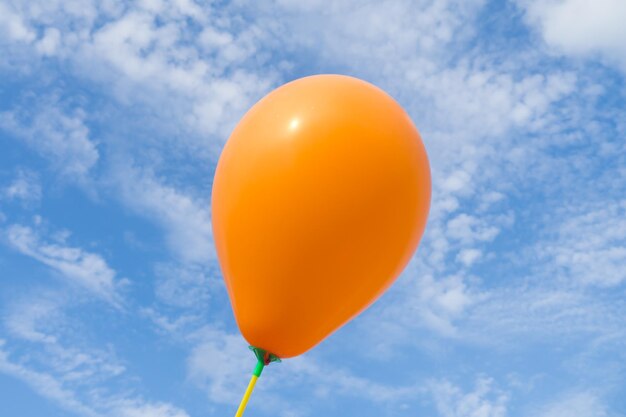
(469, 256)
(44, 384)
(24, 321)
(221, 363)
(25, 188)
(539, 311)
(138, 408)
(374, 32)
(56, 362)
(577, 252)
(201, 83)
(49, 43)
(425, 301)
(53, 369)
(483, 401)
(87, 270)
(590, 247)
(328, 380)
(469, 229)
(53, 388)
(168, 325)
(13, 25)
(582, 27)
(185, 219)
(60, 137)
(184, 286)
(40, 321)
(579, 404)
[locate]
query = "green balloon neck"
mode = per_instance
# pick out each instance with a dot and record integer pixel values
(258, 369)
(264, 358)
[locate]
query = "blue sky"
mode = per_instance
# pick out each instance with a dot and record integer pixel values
(113, 115)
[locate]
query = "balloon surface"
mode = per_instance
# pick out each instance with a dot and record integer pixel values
(319, 200)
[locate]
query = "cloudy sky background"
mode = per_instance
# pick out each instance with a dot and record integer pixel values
(113, 115)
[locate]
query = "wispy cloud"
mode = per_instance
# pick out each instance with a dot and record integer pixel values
(185, 218)
(25, 188)
(590, 247)
(59, 136)
(140, 408)
(40, 322)
(46, 353)
(85, 269)
(220, 363)
(187, 286)
(580, 404)
(52, 388)
(484, 401)
(43, 384)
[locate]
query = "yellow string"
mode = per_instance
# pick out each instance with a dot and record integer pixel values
(246, 396)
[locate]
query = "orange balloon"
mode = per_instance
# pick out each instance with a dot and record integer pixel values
(320, 198)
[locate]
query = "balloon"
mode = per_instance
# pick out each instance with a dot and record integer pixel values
(319, 200)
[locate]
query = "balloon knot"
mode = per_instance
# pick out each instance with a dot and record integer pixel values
(264, 356)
